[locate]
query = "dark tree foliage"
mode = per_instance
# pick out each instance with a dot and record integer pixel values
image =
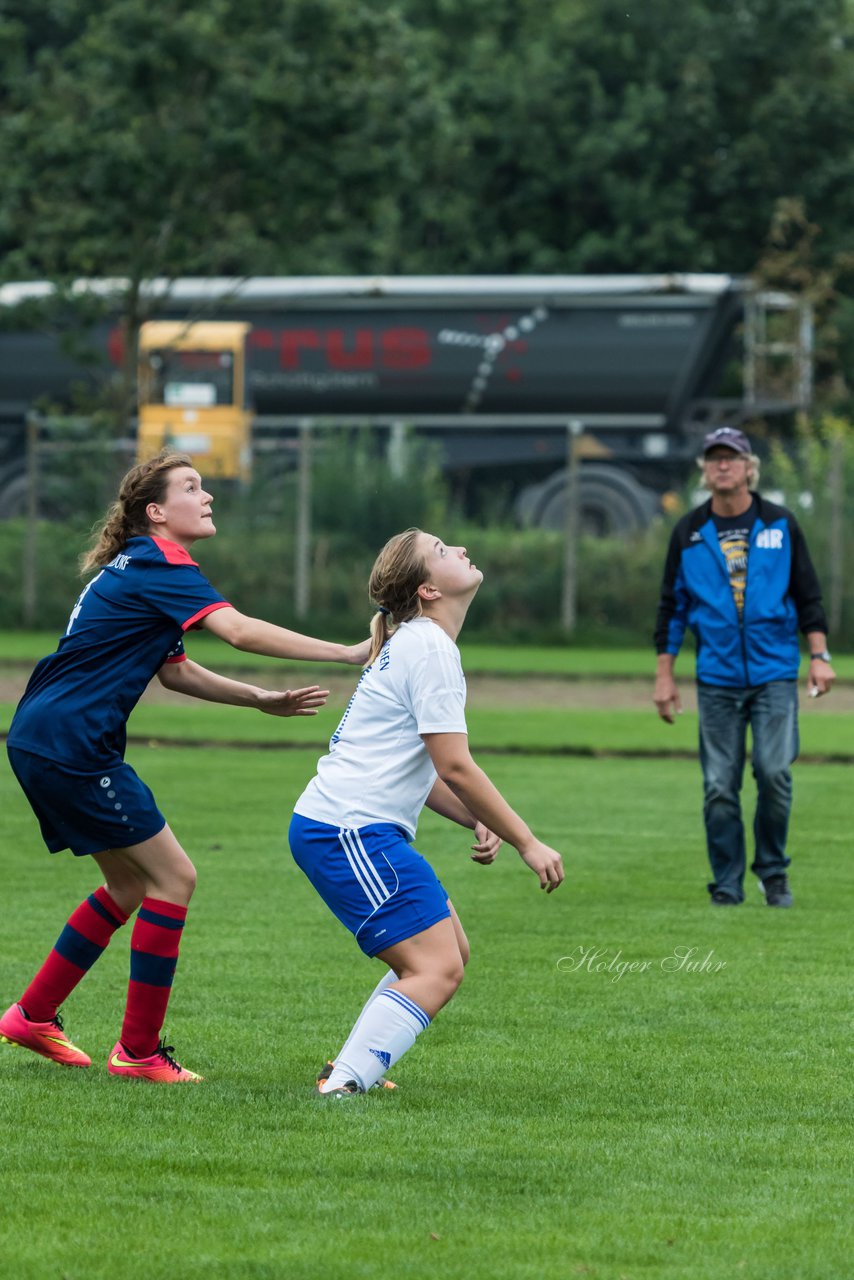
(142, 138)
(211, 137)
(647, 136)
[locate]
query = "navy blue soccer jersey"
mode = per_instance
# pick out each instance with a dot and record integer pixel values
(128, 620)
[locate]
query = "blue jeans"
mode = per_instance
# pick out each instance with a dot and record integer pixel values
(771, 710)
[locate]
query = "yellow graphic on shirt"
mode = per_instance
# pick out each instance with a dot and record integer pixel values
(735, 545)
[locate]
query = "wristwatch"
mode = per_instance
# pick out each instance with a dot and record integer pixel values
(824, 656)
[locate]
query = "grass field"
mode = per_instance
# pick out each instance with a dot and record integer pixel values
(564, 1117)
(26, 647)
(518, 721)
(542, 730)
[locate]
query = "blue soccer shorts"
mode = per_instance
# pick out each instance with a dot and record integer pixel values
(371, 878)
(87, 811)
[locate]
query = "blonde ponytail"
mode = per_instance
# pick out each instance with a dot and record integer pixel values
(399, 570)
(380, 632)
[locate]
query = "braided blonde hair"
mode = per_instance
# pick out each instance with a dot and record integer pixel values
(126, 517)
(399, 570)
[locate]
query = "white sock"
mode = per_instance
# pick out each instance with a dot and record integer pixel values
(386, 1029)
(386, 980)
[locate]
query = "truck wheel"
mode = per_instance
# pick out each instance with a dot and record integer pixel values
(13, 497)
(613, 503)
(57, 496)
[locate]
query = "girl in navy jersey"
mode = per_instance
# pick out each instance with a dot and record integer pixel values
(402, 744)
(67, 740)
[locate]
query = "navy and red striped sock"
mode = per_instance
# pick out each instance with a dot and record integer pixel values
(154, 946)
(81, 942)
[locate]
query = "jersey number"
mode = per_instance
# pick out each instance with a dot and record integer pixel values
(79, 605)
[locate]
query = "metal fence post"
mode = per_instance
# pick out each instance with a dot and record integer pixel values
(302, 576)
(569, 596)
(398, 450)
(837, 531)
(31, 534)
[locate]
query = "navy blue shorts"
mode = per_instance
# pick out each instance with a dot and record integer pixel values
(85, 811)
(371, 878)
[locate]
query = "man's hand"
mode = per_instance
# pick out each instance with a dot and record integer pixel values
(486, 846)
(821, 677)
(293, 702)
(666, 697)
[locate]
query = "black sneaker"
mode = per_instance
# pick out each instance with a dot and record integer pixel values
(777, 891)
(326, 1072)
(348, 1090)
(721, 899)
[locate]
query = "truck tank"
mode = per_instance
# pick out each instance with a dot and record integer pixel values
(494, 369)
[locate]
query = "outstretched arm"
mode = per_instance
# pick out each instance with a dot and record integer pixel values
(253, 635)
(453, 762)
(197, 682)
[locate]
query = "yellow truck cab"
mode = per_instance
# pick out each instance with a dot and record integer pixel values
(192, 394)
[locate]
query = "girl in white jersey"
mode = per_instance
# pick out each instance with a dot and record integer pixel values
(401, 744)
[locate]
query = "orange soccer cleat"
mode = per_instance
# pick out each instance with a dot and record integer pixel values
(160, 1068)
(46, 1038)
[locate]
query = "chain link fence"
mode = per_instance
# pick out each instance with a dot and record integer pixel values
(296, 543)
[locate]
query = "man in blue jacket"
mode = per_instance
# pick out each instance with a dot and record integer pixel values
(739, 574)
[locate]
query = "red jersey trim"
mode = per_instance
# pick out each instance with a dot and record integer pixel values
(203, 613)
(172, 552)
(179, 657)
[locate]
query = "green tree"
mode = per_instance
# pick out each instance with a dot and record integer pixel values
(624, 136)
(318, 136)
(141, 138)
(790, 262)
(220, 137)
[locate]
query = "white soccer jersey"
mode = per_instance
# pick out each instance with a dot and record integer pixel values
(378, 769)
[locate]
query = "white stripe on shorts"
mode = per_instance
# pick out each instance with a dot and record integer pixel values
(362, 867)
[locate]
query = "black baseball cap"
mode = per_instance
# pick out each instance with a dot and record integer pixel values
(727, 438)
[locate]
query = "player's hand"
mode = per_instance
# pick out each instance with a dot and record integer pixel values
(486, 845)
(357, 654)
(545, 863)
(666, 698)
(293, 702)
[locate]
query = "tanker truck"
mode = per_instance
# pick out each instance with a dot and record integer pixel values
(505, 374)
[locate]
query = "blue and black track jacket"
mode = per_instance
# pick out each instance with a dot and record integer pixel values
(781, 595)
